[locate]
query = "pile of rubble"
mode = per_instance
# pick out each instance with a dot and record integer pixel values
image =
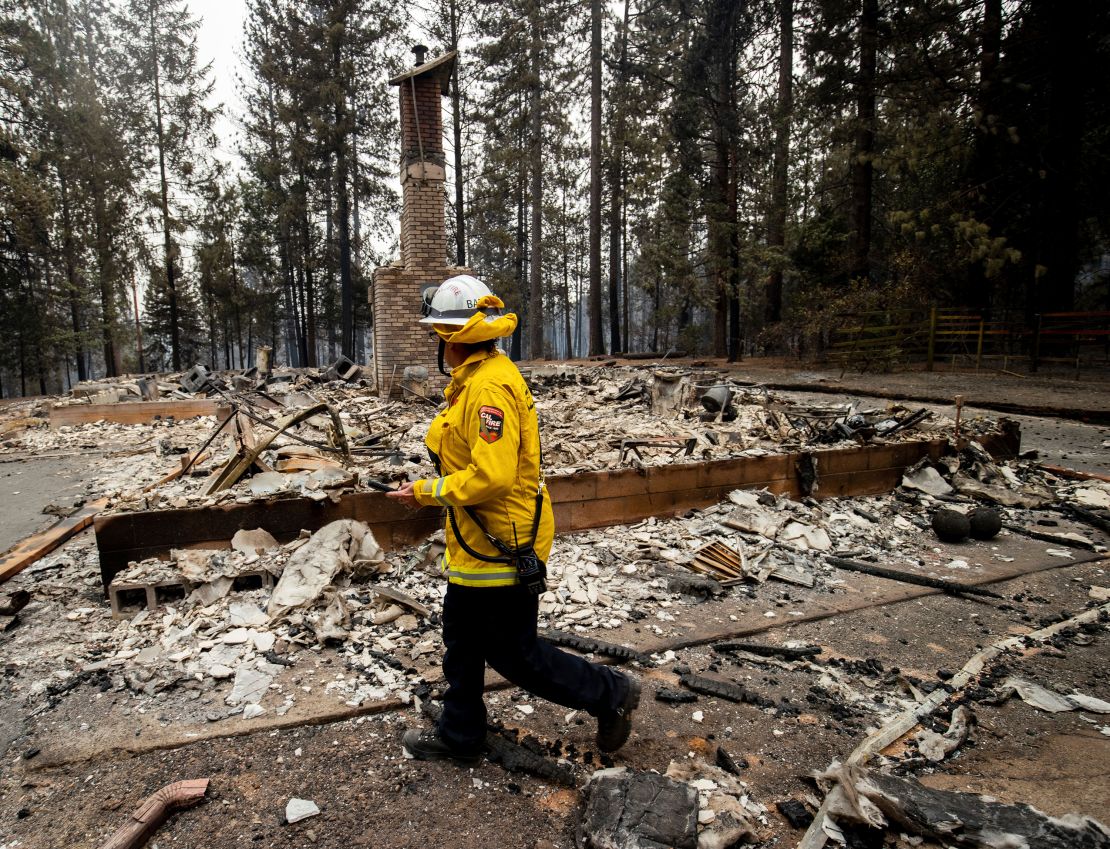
(265, 628)
(302, 435)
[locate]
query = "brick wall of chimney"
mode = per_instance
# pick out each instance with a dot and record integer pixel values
(421, 139)
(395, 295)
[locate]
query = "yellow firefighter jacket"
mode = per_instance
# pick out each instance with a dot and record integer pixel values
(488, 444)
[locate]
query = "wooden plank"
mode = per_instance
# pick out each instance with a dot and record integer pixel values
(137, 412)
(1073, 474)
(39, 545)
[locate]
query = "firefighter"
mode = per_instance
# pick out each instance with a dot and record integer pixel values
(485, 446)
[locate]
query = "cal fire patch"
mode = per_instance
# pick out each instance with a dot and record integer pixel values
(491, 423)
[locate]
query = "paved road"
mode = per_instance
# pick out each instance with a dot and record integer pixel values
(29, 484)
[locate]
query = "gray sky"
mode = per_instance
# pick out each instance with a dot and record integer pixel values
(219, 41)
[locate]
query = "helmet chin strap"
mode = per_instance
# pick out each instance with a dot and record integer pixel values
(439, 358)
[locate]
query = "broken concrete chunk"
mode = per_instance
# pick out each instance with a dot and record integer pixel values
(236, 637)
(192, 562)
(805, 537)
(240, 613)
(211, 591)
(257, 541)
(639, 810)
(268, 483)
(300, 809)
(727, 812)
(745, 498)
(1093, 496)
(927, 480)
(755, 520)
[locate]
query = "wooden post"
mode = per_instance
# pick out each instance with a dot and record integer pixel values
(932, 337)
(979, 347)
(1036, 345)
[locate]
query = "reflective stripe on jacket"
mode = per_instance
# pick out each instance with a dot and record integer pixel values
(488, 444)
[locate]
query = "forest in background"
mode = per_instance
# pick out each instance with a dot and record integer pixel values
(716, 176)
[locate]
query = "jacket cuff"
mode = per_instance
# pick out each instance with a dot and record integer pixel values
(422, 492)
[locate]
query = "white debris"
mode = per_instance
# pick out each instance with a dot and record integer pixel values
(240, 613)
(258, 541)
(1093, 496)
(250, 686)
(314, 566)
(805, 537)
(927, 480)
(300, 809)
(1051, 701)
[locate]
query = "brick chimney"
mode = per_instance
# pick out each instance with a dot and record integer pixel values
(395, 293)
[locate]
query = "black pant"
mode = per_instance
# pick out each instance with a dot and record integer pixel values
(497, 625)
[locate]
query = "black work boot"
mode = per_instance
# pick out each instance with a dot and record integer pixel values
(429, 746)
(613, 727)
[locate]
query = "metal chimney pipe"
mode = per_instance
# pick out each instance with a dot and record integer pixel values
(419, 50)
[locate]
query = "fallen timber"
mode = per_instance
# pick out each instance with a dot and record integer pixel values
(131, 412)
(582, 500)
(951, 587)
(16, 559)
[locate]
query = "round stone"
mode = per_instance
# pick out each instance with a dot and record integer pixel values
(985, 523)
(951, 525)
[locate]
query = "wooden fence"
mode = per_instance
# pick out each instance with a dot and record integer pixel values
(880, 340)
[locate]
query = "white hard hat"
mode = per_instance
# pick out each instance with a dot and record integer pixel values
(455, 300)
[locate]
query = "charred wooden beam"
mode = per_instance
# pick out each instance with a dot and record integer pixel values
(952, 587)
(514, 757)
(799, 653)
(1085, 516)
(1055, 539)
(723, 690)
(589, 645)
(39, 545)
